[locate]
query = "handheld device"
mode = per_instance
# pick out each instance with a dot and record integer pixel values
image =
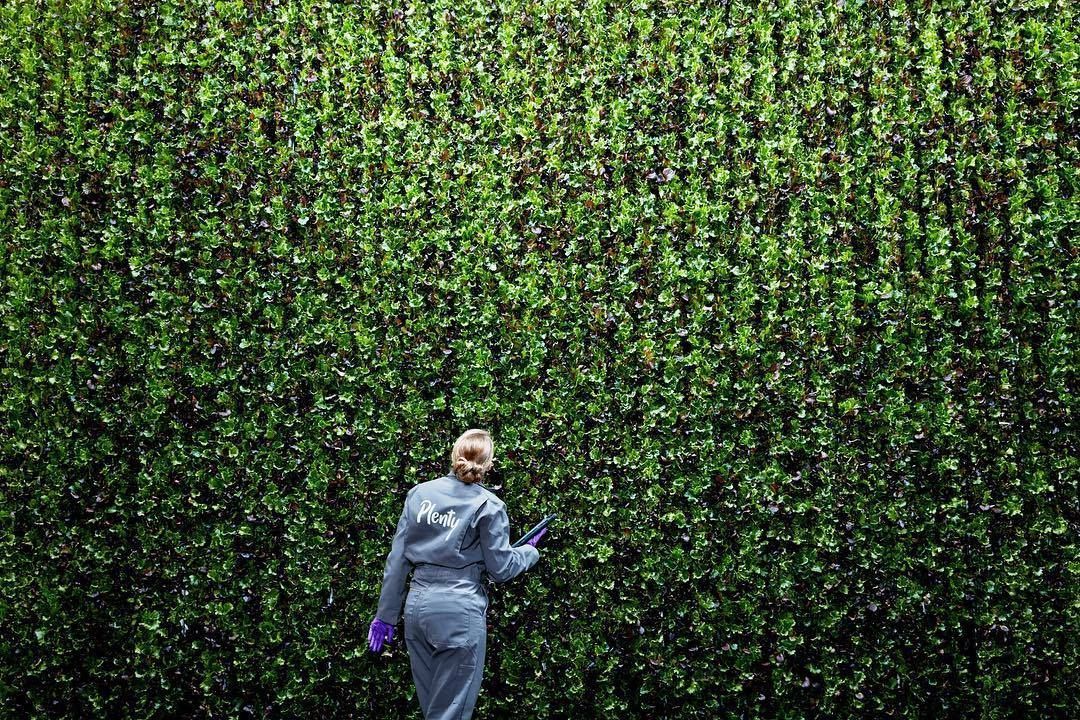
(536, 528)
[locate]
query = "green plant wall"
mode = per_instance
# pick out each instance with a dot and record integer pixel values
(774, 302)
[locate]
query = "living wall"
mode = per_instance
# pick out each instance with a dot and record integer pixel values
(775, 303)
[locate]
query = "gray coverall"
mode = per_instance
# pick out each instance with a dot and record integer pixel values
(449, 534)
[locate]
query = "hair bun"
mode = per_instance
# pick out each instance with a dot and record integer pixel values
(470, 458)
(468, 469)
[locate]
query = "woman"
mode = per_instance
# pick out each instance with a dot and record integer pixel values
(452, 529)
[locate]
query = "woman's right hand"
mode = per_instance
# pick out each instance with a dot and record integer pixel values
(536, 538)
(379, 633)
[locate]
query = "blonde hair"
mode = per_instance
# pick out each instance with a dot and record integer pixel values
(471, 456)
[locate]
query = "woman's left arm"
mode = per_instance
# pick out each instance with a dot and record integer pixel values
(397, 568)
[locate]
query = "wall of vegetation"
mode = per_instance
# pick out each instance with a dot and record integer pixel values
(775, 302)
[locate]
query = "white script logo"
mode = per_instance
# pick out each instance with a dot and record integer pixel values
(427, 513)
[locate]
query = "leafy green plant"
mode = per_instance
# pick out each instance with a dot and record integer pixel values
(773, 302)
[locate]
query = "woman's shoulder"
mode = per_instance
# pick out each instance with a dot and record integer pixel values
(492, 499)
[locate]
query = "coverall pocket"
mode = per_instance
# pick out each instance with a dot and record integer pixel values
(412, 601)
(448, 620)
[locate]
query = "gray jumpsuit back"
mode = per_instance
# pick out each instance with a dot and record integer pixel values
(449, 534)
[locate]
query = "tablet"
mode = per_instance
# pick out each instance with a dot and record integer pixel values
(536, 528)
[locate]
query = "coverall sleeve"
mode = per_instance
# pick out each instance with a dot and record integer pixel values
(502, 561)
(392, 597)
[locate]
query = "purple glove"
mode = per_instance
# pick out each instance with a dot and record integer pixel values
(379, 633)
(536, 538)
